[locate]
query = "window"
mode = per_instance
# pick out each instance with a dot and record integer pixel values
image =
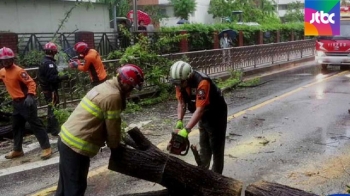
(162, 11)
(282, 6)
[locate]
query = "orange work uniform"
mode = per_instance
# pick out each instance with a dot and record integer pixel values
(94, 65)
(19, 84)
(202, 93)
(17, 81)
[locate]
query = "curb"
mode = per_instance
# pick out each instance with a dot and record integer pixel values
(27, 167)
(249, 72)
(278, 66)
(28, 149)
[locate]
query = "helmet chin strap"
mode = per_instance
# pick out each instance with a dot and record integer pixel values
(126, 87)
(86, 51)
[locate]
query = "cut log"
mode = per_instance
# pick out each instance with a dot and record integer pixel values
(6, 129)
(145, 161)
(5, 116)
(151, 193)
(263, 188)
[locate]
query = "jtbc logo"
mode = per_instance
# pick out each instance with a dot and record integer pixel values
(316, 17)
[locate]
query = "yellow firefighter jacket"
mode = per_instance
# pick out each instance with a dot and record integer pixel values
(95, 120)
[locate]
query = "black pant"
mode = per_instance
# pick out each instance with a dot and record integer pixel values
(212, 130)
(74, 169)
(23, 114)
(52, 99)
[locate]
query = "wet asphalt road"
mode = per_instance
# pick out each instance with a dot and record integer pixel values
(300, 140)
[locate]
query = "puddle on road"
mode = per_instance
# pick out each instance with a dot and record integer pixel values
(329, 170)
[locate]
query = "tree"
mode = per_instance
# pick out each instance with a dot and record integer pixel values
(260, 11)
(294, 12)
(138, 157)
(154, 12)
(183, 8)
(145, 161)
(123, 7)
(220, 8)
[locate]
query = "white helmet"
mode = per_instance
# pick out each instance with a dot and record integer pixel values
(180, 70)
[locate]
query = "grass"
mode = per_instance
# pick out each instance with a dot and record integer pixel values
(236, 80)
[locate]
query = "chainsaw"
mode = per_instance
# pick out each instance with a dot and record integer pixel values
(178, 145)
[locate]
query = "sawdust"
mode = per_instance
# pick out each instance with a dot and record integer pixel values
(317, 174)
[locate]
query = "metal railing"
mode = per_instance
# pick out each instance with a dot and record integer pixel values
(222, 60)
(210, 62)
(35, 41)
(105, 42)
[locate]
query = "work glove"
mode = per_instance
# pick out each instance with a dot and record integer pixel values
(63, 77)
(179, 124)
(29, 101)
(184, 132)
(74, 64)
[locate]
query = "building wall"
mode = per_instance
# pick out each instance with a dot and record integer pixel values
(148, 2)
(282, 6)
(39, 16)
(200, 15)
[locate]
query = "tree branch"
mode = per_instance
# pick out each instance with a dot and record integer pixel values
(64, 20)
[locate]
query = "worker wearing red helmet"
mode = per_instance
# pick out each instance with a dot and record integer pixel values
(49, 81)
(22, 90)
(94, 121)
(93, 63)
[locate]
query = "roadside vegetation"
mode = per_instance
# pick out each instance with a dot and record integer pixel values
(145, 52)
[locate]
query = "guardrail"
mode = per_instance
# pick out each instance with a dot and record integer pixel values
(208, 61)
(222, 60)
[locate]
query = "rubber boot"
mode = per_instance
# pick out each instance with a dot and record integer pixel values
(14, 154)
(46, 153)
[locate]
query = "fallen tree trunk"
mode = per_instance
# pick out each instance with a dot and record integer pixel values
(149, 163)
(264, 188)
(164, 192)
(6, 131)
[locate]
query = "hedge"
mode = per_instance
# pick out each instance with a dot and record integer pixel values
(201, 35)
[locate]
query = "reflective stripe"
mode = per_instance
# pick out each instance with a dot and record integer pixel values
(112, 114)
(77, 142)
(91, 108)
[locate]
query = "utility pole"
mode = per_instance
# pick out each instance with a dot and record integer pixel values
(115, 18)
(134, 4)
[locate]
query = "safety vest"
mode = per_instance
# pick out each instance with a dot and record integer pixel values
(215, 95)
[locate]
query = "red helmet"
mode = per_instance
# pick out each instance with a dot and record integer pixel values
(6, 53)
(132, 75)
(50, 47)
(80, 47)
